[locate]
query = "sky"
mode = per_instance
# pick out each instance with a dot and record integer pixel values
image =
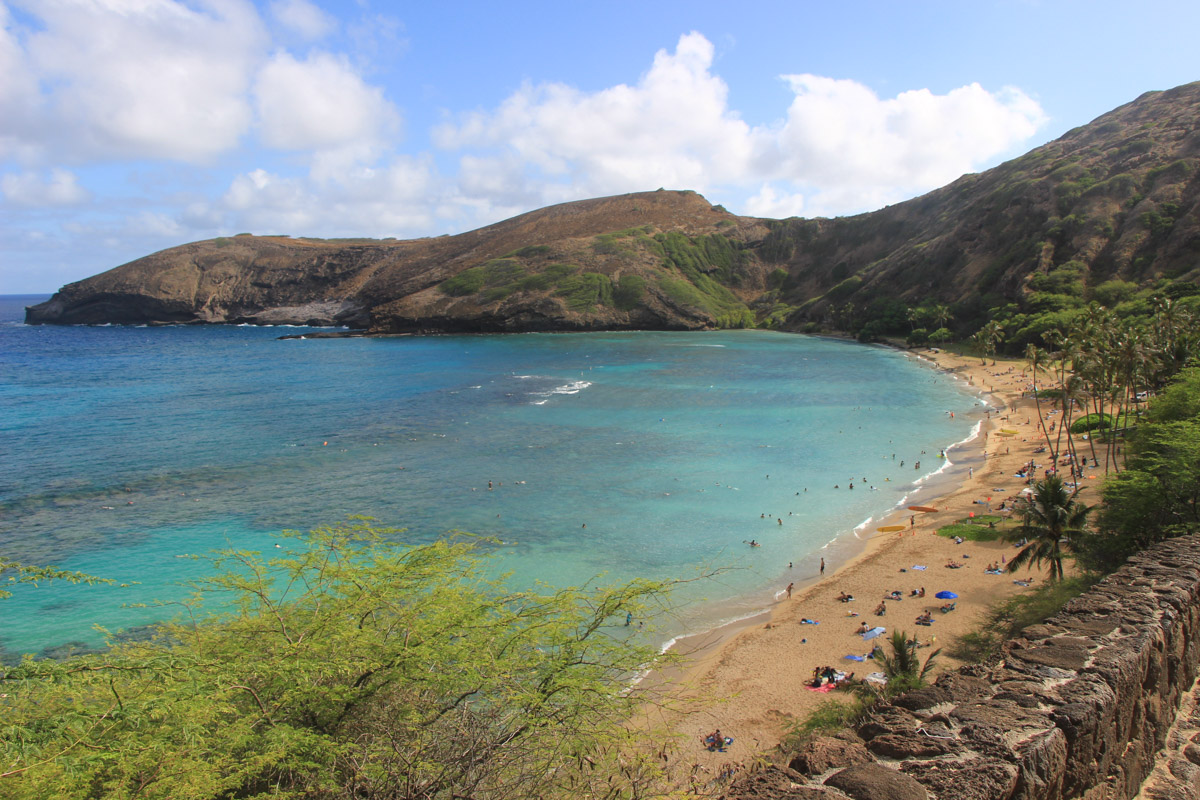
(130, 126)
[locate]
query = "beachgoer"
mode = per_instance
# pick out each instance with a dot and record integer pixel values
(822, 566)
(789, 589)
(628, 618)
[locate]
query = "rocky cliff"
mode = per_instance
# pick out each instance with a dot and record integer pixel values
(1112, 200)
(1080, 707)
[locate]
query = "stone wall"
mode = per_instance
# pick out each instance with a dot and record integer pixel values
(1079, 707)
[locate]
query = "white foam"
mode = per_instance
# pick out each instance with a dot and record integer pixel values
(574, 387)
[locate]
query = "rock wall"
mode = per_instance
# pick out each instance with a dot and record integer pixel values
(1079, 707)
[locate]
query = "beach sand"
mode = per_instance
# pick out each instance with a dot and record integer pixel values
(752, 679)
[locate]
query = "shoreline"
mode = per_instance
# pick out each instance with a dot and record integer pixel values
(752, 673)
(843, 549)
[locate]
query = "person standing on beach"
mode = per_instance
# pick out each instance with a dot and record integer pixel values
(789, 590)
(822, 566)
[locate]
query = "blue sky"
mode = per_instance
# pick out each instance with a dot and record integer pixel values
(128, 126)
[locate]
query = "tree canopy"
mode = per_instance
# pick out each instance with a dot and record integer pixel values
(347, 666)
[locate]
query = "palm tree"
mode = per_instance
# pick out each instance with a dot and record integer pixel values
(941, 315)
(988, 338)
(902, 667)
(1051, 518)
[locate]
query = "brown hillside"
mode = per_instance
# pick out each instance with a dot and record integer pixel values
(1112, 203)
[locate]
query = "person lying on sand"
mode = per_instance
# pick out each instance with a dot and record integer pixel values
(845, 598)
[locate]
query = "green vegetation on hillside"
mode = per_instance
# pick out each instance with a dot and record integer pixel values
(698, 270)
(693, 272)
(1154, 496)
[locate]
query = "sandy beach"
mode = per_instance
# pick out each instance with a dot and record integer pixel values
(753, 679)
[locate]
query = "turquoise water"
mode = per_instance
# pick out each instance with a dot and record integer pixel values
(623, 454)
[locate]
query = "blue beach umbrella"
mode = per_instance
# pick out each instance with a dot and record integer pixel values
(943, 595)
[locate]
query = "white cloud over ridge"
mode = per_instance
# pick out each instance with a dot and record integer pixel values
(144, 84)
(838, 148)
(303, 18)
(59, 188)
(317, 104)
(147, 78)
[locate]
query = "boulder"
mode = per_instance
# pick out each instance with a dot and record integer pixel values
(777, 783)
(974, 779)
(825, 753)
(911, 744)
(877, 782)
(920, 699)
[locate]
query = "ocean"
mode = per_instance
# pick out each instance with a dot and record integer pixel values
(601, 456)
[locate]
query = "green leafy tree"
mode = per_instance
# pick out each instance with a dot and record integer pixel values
(1050, 520)
(14, 572)
(350, 666)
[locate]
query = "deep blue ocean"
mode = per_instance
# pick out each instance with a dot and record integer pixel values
(125, 449)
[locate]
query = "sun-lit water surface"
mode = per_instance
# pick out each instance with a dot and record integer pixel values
(622, 454)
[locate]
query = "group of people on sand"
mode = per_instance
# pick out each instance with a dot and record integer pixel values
(826, 675)
(714, 741)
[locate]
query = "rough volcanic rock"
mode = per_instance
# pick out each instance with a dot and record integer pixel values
(777, 783)
(876, 782)
(911, 744)
(920, 699)
(972, 779)
(825, 753)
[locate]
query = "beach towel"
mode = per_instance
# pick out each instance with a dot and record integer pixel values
(810, 622)
(918, 566)
(854, 658)
(877, 631)
(876, 677)
(829, 687)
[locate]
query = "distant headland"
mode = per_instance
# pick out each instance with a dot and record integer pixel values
(1102, 213)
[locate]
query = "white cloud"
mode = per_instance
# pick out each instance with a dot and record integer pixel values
(769, 202)
(148, 78)
(396, 199)
(18, 85)
(303, 18)
(839, 133)
(59, 188)
(674, 128)
(838, 147)
(319, 103)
